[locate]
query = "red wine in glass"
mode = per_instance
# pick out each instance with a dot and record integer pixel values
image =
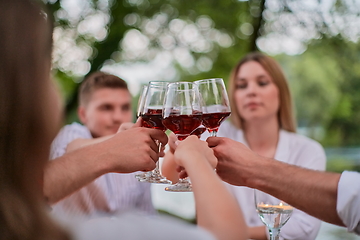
(216, 105)
(182, 125)
(200, 130)
(151, 115)
(153, 119)
(212, 121)
(182, 114)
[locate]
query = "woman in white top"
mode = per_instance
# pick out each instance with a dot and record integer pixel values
(30, 117)
(262, 118)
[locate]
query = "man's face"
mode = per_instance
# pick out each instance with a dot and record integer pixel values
(106, 110)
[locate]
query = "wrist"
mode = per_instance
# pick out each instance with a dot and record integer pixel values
(258, 172)
(195, 162)
(98, 161)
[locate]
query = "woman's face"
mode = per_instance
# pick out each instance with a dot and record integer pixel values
(256, 95)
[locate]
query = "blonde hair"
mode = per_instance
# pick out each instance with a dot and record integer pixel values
(25, 133)
(285, 115)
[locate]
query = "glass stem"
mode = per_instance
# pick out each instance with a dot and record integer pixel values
(157, 166)
(213, 133)
(157, 170)
(274, 233)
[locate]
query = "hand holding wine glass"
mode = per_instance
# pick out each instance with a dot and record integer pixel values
(182, 115)
(151, 114)
(216, 106)
(273, 212)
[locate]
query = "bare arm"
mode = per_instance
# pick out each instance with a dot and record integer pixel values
(313, 192)
(217, 209)
(82, 142)
(128, 151)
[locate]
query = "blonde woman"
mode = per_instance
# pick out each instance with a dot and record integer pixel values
(262, 118)
(30, 117)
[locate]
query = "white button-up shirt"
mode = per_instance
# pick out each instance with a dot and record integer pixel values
(111, 193)
(348, 200)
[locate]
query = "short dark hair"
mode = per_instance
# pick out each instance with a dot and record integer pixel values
(98, 80)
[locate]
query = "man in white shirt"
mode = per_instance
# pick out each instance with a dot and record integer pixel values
(331, 197)
(104, 104)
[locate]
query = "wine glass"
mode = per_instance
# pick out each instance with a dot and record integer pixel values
(198, 131)
(182, 115)
(151, 114)
(216, 106)
(273, 212)
(144, 175)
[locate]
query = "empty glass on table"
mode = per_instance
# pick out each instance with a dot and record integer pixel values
(273, 212)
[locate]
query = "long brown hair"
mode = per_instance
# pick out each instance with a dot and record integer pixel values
(25, 134)
(285, 115)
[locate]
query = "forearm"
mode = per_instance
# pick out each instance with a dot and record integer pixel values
(83, 142)
(129, 151)
(217, 210)
(311, 191)
(66, 174)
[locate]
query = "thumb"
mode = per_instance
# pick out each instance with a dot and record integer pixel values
(138, 123)
(125, 126)
(213, 141)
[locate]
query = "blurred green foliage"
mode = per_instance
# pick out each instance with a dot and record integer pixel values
(341, 164)
(316, 42)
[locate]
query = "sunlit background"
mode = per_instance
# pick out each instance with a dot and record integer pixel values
(315, 41)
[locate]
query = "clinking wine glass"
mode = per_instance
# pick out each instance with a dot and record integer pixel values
(273, 212)
(182, 115)
(216, 106)
(144, 175)
(151, 115)
(198, 131)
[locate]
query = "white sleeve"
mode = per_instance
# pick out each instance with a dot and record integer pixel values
(66, 135)
(348, 200)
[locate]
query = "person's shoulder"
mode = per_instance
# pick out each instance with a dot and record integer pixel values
(67, 134)
(75, 129)
(299, 141)
(74, 126)
(303, 151)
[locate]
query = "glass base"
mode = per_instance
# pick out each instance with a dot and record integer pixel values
(183, 185)
(152, 177)
(141, 175)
